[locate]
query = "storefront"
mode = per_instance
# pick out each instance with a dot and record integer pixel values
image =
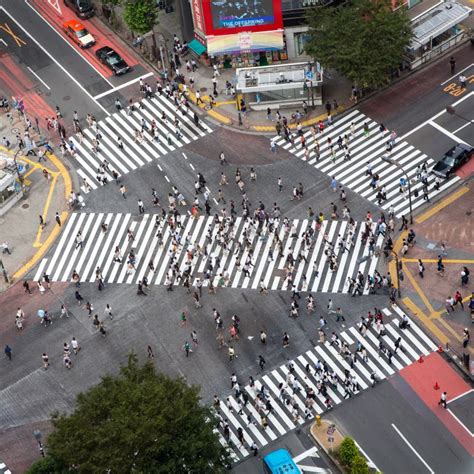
(10, 188)
(238, 33)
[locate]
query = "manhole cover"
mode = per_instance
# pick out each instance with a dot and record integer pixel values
(25, 206)
(203, 89)
(67, 97)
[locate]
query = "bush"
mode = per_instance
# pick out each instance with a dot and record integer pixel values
(47, 465)
(359, 465)
(347, 451)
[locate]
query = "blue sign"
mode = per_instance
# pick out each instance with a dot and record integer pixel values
(309, 75)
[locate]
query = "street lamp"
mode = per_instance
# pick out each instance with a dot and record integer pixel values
(452, 111)
(38, 435)
(20, 177)
(400, 167)
(397, 263)
(4, 271)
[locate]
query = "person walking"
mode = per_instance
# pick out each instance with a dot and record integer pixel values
(75, 346)
(285, 340)
(465, 337)
(108, 311)
(58, 219)
(458, 299)
(187, 348)
(8, 352)
(45, 360)
(452, 64)
(449, 304)
(263, 337)
(421, 268)
(339, 316)
(151, 356)
(231, 353)
(261, 362)
(443, 400)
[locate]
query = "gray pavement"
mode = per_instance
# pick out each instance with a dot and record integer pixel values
(390, 423)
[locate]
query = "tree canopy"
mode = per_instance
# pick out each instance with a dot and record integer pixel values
(137, 421)
(140, 15)
(364, 40)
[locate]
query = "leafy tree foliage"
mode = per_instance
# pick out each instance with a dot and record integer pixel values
(347, 451)
(364, 40)
(359, 465)
(136, 422)
(140, 15)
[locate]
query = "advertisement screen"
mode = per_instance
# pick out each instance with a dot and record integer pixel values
(241, 13)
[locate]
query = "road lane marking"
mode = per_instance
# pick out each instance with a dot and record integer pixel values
(434, 117)
(39, 78)
(121, 86)
(53, 59)
(37, 242)
(3, 41)
(456, 75)
(462, 126)
(413, 449)
(6, 28)
(447, 133)
(69, 44)
(370, 463)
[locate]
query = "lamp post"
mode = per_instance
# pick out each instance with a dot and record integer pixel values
(4, 271)
(38, 435)
(400, 167)
(397, 263)
(20, 177)
(452, 111)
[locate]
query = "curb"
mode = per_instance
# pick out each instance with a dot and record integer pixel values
(55, 232)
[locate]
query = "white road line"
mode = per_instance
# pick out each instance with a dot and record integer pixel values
(305, 454)
(447, 133)
(39, 272)
(3, 41)
(370, 463)
(50, 55)
(421, 125)
(460, 396)
(456, 75)
(122, 86)
(461, 423)
(413, 449)
(69, 44)
(463, 126)
(39, 78)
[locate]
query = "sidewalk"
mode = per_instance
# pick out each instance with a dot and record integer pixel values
(449, 222)
(225, 112)
(20, 225)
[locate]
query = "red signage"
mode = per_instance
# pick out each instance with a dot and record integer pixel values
(199, 24)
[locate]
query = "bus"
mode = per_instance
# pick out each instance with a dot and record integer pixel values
(280, 462)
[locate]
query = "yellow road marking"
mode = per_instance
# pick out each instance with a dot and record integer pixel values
(38, 166)
(435, 260)
(449, 328)
(55, 232)
(425, 320)
(5, 27)
(441, 205)
(30, 171)
(37, 242)
(418, 290)
(392, 266)
(219, 116)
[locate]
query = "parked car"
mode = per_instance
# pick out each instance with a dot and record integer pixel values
(83, 8)
(453, 159)
(112, 60)
(78, 33)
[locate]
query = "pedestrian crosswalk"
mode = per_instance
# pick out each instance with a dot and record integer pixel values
(336, 252)
(367, 147)
(287, 394)
(101, 142)
(3, 468)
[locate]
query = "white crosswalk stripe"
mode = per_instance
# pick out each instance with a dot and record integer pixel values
(367, 149)
(134, 154)
(282, 418)
(314, 272)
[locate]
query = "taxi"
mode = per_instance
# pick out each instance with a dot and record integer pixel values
(78, 33)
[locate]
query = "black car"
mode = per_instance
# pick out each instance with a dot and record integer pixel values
(112, 60)
(83, 8)
(452, 160)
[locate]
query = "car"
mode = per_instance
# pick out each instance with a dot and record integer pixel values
(83, 8)
(112, 60)
(453, 159)
(79, 34)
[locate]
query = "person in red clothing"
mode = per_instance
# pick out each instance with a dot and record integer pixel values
(458, 299)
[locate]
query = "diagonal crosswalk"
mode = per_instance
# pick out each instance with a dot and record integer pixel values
(367, 148)
(287, 394)
(132, 152)
(332, 255)
(3, 468)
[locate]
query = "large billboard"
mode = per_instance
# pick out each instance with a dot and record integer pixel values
(224, 17)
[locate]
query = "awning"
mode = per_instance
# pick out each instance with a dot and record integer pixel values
(197, 47)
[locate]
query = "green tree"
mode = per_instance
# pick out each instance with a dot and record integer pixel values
(137, 421)
(347, 451)
(141, 16)
(364, 40)
(359, 465)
